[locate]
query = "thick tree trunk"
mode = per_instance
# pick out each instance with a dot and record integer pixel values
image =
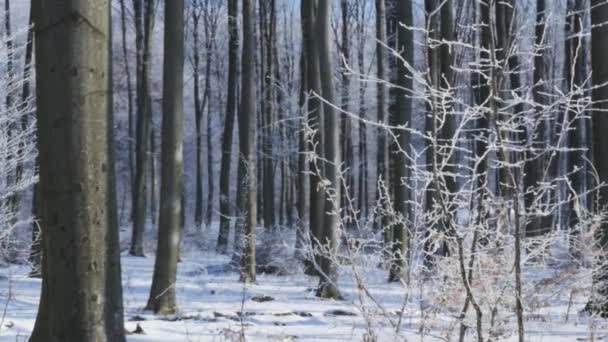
(599, 54)
(162, 293)
(233, 46)
(328, 287)
(247, 124)
(73, 89)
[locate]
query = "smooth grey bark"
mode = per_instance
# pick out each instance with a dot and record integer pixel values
(73, 88)
(345, 122)
(315, 122)
(233, 46)
(143, 24)
(382, 170)
(328, 287)
(162, 293)
(210, 20)
(268, 109)
(303, 179)
(199, 106)
(403, 117)
(363, 194)
(125, 55)
(247, 125)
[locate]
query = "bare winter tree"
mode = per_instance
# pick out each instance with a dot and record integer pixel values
(81, 294)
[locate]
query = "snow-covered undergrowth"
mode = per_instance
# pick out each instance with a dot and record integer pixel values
(214, 306)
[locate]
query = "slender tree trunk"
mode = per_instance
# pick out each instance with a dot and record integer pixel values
(315, 122)
(247, 123)
(303, 180)
(268, 25)
(363, 169)
(403, 115)
(125, 55)
(25, 100)
(144, 119)
(78, 199)
(233, 46)
(345, 122)
(153, 174)
(210, 19)
(381, 221)
(198, 113)
(162, 293)
(575, 72)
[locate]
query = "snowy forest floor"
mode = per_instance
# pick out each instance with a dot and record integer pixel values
(284, 308)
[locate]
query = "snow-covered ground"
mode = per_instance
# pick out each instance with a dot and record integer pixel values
(211, 301)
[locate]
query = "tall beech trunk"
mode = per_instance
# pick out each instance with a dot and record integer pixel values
(599, 54)
(247, 127)
(268, 109)
(198, 112)
(162, 293)
(328, 287)
(363, 168)
(382, 170)
(315, 122)
(81, 299)
(402, 116)
(144, 121)
(303, 182)
(233, 46)
(345, 122)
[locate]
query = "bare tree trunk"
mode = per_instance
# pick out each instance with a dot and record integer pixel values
(303, 181)
(247, 125)
(78, 199)
(381, 221)
(575, 73)
(162, 293)
(328, 287)
(363, 169)
(125, 55)
(268, 28)
(399, 263)
(25, 100)
(345, 122)
(198, 112)
(315, 122)
(538, 224)
(233, 46)
(144, 119)
(599, 54)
